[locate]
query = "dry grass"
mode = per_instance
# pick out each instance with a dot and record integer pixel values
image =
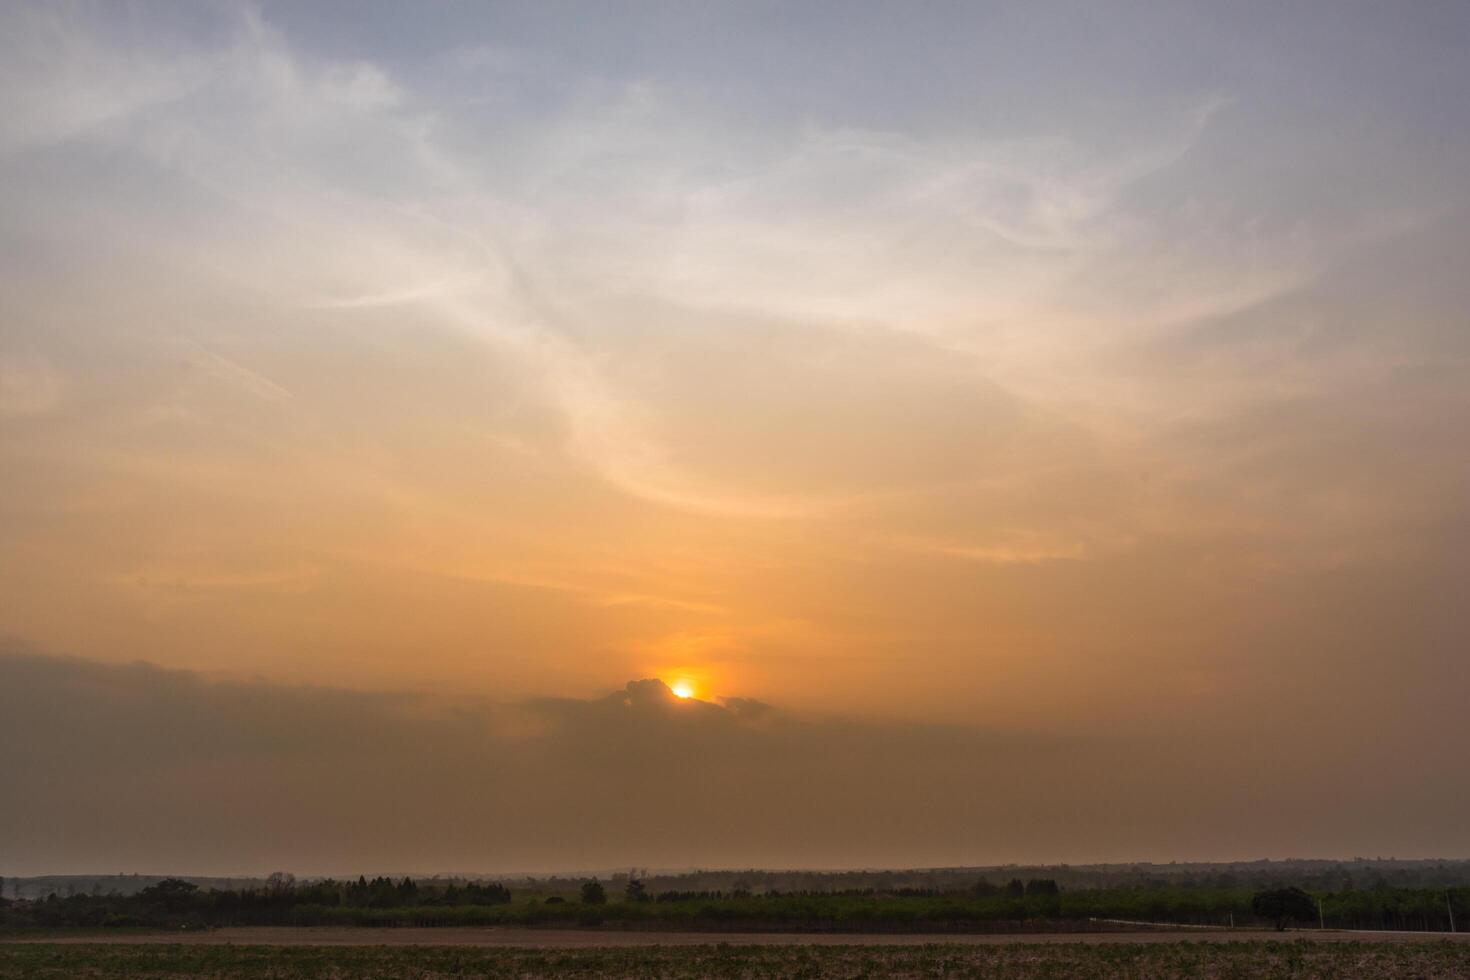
(1018, 961)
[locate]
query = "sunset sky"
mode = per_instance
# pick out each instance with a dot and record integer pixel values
(1034, 431)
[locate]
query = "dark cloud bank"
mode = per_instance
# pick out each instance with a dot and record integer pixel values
(135, 767)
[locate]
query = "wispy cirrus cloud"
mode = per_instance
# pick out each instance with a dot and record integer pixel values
(625, 198)
(575, 356)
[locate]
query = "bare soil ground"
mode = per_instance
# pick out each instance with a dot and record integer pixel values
(1150, 956)
(595, 938)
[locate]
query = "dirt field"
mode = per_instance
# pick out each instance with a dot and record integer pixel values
(599, 938)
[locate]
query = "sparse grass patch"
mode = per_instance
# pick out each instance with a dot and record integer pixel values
(1053, 961)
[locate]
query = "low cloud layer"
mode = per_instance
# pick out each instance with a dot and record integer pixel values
(133, 767)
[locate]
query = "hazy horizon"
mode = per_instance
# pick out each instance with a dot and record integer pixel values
(229, 774)
(1028, 432)
(618, 872)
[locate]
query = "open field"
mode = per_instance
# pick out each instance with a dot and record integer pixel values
(1112, 957)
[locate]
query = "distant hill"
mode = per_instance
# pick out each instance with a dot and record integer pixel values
(118, 884)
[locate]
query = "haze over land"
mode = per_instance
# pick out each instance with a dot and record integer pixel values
(1033, 433)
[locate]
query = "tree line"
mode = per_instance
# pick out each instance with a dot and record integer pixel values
(1013, 905)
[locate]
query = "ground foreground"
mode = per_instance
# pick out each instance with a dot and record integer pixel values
(587, 938)
(1016, 960)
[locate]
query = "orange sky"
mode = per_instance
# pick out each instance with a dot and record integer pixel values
(1046, 396)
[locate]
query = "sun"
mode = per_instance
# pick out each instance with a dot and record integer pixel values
(683, 689)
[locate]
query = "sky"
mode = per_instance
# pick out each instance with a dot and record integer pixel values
(1032, 431)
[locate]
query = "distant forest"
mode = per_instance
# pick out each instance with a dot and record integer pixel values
(1363, 894)
(1313, 875)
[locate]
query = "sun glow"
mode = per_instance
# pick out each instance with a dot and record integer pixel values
(682, 689)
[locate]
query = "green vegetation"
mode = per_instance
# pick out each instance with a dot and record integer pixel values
(1037, 905)
(1163, 961)
(1283, 906)
(593, 893)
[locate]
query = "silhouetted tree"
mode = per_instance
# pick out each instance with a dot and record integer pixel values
(1015, 888)
(593, 893)
(1042, 886)
(1283, 905)
(636, 892)
(492, 894)
(169, 887)
(174, 894)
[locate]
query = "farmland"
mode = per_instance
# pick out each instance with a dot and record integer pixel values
(1298, 959)
(1037, 906)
